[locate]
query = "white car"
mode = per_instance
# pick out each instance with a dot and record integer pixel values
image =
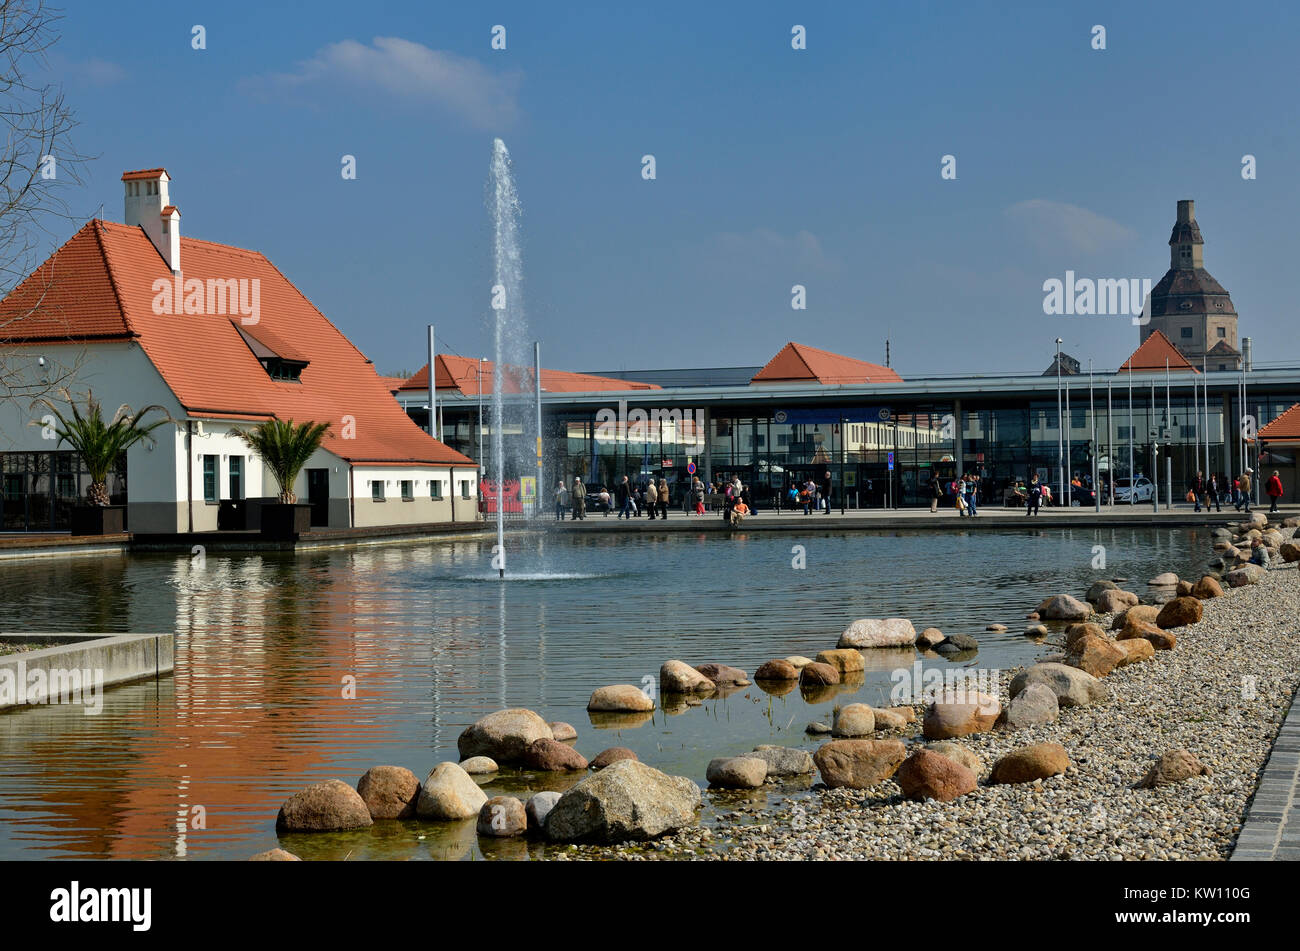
(1142, 492)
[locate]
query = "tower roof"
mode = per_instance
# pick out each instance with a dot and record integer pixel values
(1153, 354)
(799, 363)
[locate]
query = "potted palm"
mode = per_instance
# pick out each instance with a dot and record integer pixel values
(284, 449)
(100, 444)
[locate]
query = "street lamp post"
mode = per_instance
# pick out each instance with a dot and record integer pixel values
(1060, 433)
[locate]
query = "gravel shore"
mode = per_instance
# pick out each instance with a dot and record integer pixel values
(1221, 693)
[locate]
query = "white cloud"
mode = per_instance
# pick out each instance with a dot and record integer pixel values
(802, 249)
(1078, 229)
(408, 70)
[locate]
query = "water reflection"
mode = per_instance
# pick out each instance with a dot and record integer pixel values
(297, 668)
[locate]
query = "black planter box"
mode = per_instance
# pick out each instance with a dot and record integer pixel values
(97, 519)
(285, 521)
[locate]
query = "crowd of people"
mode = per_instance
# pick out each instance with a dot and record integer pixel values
(1236, 492)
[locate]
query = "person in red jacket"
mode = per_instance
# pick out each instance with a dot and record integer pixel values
(1274, 489)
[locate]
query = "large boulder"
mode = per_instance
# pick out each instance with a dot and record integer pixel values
(1246, 574)
(625, 800)
(331, 806)
(562, 731)
(1077, 632)
(929, 775)
(930, 637)
(1289, 551)
(736, 772)
(502, 816)
(389, 792)
(784, 760)
(677, 676)
(1139, 612)
(1179, 613)
(610, 756)
(957, 643)
(846, 660)
(781, 670)
(958, 753)
(1208, 587)
(1033, 706)
(1159, 638)
(1073, 687)
(1030, 763)
(893, 719)
(855, 719)
(1063, 607)
(959, 713)
(1096, 655)
(449, 793)
(1096, 589)
(879, 632)
(274, 855)
(722, 675)
(818, 675)
(858, 764)
(1135, 650)
(1115, 600)
(619, 698)
(553, 756)
(503, 735)
(1173, 767)
(480, 765)
(1164, 579)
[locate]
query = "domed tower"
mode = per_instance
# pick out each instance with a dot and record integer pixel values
(1189, 306)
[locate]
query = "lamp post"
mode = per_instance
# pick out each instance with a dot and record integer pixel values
(478, 373)
(1060, 422)
(1092, 415)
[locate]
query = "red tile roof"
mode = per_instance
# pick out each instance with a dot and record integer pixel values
(1285, 427)
(799, 363)
(458, 373)
(99, 286)
(1153, 353)
(144, 173)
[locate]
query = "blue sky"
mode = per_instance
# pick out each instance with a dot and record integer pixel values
(775, 167)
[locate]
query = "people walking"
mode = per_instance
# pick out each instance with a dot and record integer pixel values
(578, 500)
(1034, 496)
(1243, 490)
(623, 496)
(936, 492)
(1212, 493)
(663, 498)
(697, 495)
(561, 500)
(1274, 489)
(1198, 491)
(972, 494)
(826, 490)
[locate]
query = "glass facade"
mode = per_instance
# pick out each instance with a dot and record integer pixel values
(39, 489)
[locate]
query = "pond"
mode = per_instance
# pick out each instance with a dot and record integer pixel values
(295, 668)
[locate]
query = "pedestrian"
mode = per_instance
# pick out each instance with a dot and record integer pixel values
(1034, 495)
(809, 496)
(623, 495)
(972, 494)
(561, 500)
(606, 501)
(650, 498)
(826, 490)
(1274, 489)
(578, 500)
(1212, 493)
(1243, 488)
(1197, 491)
(663, 498)
(959, 493)
(936, 492)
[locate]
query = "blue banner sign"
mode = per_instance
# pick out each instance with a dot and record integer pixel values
(828, 415)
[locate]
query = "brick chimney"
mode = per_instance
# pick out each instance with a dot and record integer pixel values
(147, 206)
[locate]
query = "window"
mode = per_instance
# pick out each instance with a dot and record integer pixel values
(1223, 366)
(377, 490)
(464, 488)
(435, 488)
(408, 490)
(236, 477)
(1221, 332)
(1186, 333)
(209, 478)
(1123, 432)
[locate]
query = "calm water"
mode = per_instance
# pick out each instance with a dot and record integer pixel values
(265, 645)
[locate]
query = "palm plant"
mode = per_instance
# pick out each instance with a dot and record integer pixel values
(100, 444)
(284, 449)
